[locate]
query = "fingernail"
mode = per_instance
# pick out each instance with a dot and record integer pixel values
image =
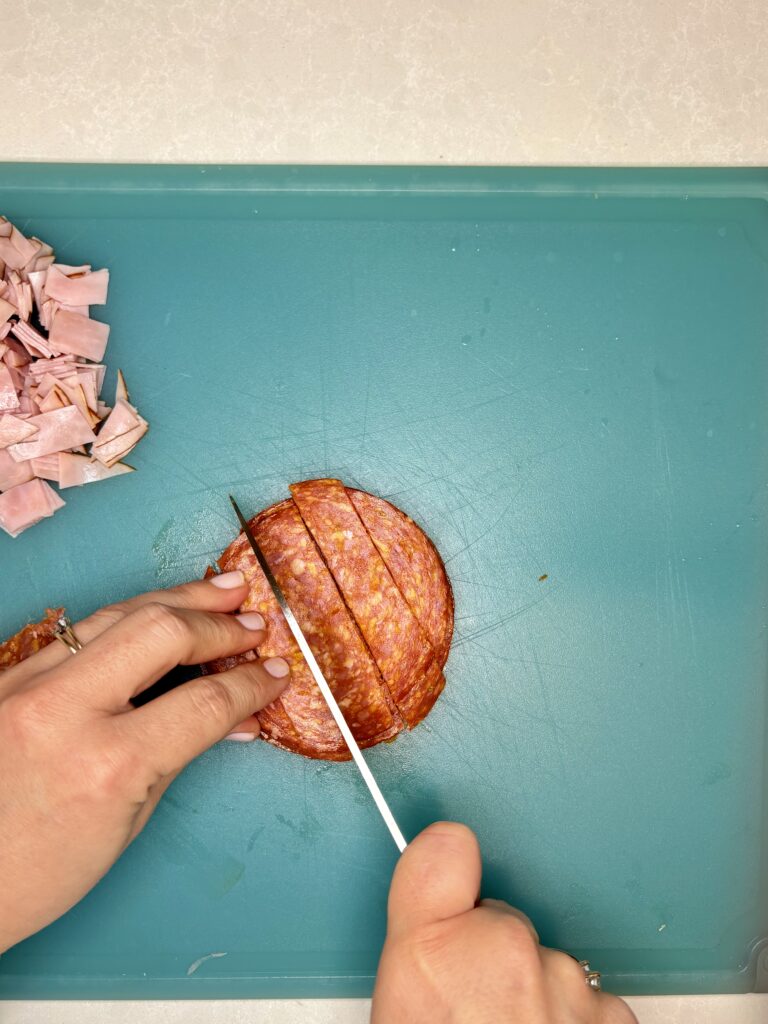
(241, 737)
(251, 620)
(277, 667)
(228, 580)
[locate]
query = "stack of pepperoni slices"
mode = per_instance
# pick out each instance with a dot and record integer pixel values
(371, 594)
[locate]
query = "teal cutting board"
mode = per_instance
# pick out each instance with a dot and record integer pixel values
(563, 375)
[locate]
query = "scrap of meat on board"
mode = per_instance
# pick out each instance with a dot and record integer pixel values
(29, 640)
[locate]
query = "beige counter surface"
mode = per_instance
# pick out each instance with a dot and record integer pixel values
(670, 1010)
(390, 81)
(382, 81)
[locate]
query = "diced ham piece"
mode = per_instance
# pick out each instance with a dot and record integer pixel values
(26, 504)
(33, 341)
(60, 366)
(46, 312)
(16, 355)
(86, 376)
(36, 283)
(121, 432)
(18, 376)
(7, 310)
(9, 400)
(13, 472)
(101, 371)
(113, 451)
(73, 390)
(58, 431)
(46, 468)
(55, 399)
(28, 406)
(76, 470)
(74, 333)
(121, 391)
(20, 294)
(122, 419)
(13, 429)
(10, 255)
(29, 248)
(70, 271)
(78, 287)
(43, 262)
(44, 385)
(44, 255)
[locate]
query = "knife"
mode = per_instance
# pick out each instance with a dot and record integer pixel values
(314, 668)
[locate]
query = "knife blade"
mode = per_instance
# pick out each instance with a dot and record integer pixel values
(314, 668)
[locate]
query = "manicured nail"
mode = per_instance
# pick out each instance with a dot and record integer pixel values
(251, 620)
(241, 737)
(228, 580)
(277, 667)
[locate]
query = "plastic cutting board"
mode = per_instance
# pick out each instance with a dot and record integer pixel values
(563, 376)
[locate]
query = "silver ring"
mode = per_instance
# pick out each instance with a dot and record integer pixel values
(63, 631)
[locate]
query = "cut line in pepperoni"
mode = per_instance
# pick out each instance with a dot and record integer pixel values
(415, 566)
(392, 632)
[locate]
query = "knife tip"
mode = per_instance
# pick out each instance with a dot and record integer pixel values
(238, 513)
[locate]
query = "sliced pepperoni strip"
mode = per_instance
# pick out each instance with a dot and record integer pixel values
(394, 637)
(331, 632)
(275, 724)
(415, 565)
(29, 640)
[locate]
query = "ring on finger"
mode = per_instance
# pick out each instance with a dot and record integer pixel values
(592, 978)
(64, 632)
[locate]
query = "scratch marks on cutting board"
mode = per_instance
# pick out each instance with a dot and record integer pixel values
(167, 384)
(674, 612)
(201, 960)
(488, 529)
(212, 871)
(254, 837)
(497, 623)
(363, 432)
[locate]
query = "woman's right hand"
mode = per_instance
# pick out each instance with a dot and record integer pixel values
(450, 960)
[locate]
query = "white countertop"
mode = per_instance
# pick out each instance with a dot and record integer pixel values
(669, 1010)
(390, 81)
(382, 81)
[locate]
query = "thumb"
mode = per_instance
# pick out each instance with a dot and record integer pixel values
(437, 877)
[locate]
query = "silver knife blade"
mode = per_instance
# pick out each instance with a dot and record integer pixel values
(314, 668)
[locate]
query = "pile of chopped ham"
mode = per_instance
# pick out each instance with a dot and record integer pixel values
(53, 424)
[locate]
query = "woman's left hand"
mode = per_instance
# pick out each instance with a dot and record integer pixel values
(81, 769)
